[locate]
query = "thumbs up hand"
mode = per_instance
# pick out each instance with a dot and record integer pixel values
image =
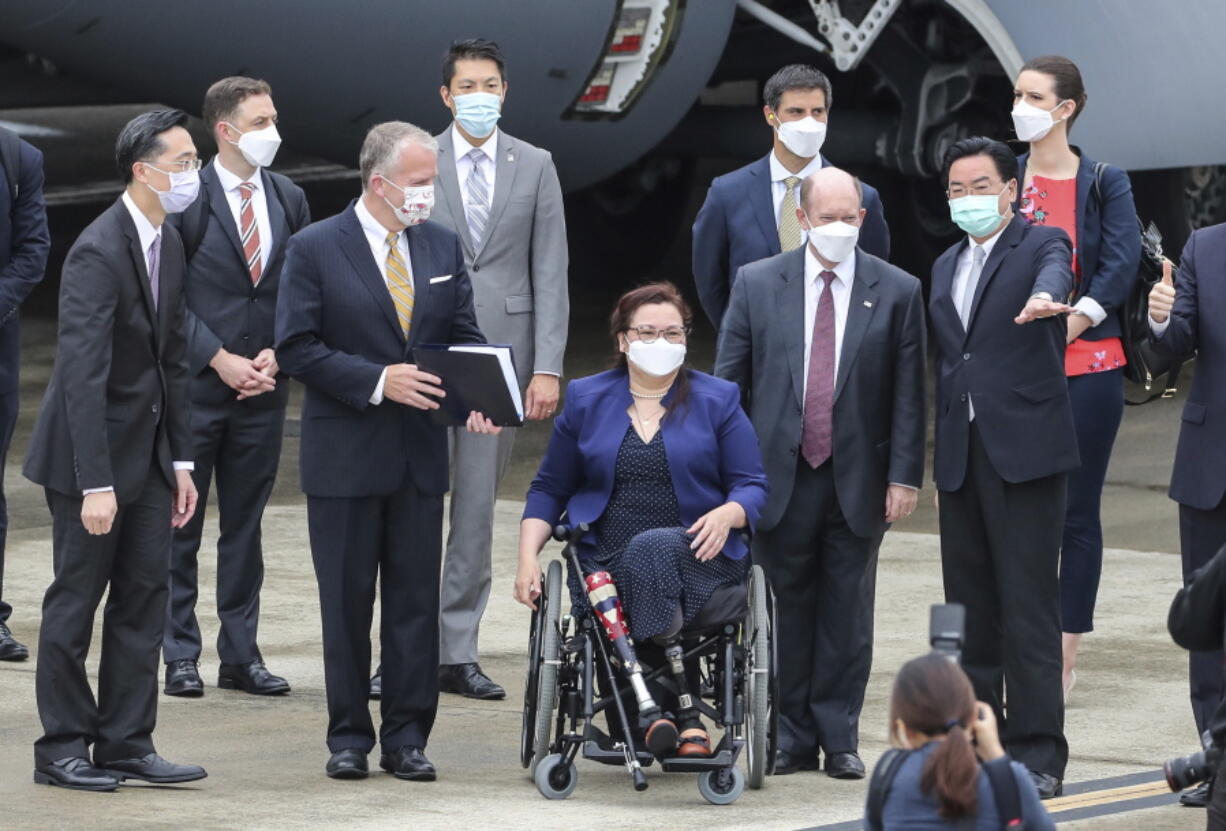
(1162, 295)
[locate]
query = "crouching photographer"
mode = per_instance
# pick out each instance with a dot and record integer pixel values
(1198, 622)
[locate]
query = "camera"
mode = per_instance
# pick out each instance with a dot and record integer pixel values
(947, 629)
(1186, 771)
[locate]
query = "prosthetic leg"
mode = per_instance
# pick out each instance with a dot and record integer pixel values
(694, 739)
(602, 595)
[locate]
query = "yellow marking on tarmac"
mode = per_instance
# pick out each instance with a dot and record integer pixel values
(1093, 798)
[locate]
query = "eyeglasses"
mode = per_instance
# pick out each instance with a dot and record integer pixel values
(175, 167)
(980, 189)
(649, 334)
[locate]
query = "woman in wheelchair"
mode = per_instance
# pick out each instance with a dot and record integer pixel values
(662, 464)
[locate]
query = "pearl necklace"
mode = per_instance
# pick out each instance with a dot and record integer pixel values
(649, 396)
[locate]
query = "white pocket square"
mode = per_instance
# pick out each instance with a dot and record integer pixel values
(441, 279)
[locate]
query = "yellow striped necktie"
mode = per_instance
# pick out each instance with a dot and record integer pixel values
(399, 284)
(789, 225)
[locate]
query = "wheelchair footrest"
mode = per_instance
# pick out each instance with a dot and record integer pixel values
(593, 751)
(698, 764)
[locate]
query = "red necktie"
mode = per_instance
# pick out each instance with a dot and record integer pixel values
(249, 232)
(817, 428)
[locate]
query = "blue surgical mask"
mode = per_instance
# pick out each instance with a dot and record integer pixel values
(478, 112)
(977, 214)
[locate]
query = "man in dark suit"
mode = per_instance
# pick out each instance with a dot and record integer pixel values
(1004, 444)
(24, 244)
(827, 345)
(359, 291)
(1188, 316)
(112, 448)
(750, 213)
(235, 235)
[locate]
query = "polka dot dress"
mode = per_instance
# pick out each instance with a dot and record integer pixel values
(642, 543)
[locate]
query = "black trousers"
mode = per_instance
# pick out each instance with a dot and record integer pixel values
(824, 577)
(241, 445)
(396, 540)
(1201, 534)
(8, 420)
(1000, 554)
(131, 560)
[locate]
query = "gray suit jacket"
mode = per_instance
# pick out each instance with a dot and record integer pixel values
(519, 272)
(879, 406)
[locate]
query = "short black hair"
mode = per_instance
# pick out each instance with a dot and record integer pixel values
(141, 138)
(999, 152)
(795, 76)
(472, 49)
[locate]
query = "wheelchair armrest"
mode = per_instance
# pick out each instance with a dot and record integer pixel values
(565, 533)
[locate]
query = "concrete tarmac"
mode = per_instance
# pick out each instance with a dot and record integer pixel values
(265, 757)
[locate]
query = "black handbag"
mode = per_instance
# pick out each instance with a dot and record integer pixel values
(1147, 368)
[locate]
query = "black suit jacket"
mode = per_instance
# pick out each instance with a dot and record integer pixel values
(879, 406)
(118, 398)
(224, 308)
(24, 245)
(1197, 619)
(1013, 373)
(1198, 325)
(337, 330)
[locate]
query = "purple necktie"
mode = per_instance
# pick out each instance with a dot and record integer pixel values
(817, 429)
(155, 249)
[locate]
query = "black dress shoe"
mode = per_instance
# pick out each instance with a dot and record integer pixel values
(153, 768)
(10, 649)
(76, 773)
(787, 763)
(252, 677)
(183, 678)
(844, 766)
(376, 684)
(469, 681)
(1047, 785)
(349, 763)
(1197, 797)
(410, 763)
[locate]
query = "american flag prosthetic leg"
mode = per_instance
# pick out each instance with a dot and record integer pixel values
(602, 594)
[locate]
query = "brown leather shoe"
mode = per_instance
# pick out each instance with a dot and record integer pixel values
(662, 737)
(695, 743)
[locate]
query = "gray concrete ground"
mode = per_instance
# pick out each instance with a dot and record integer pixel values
(265, 757)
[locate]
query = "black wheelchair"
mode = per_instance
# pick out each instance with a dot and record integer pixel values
(570, 659)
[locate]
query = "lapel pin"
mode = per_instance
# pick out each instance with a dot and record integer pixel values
(868, 304)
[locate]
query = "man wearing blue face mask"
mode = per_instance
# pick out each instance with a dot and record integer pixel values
(1004, 444)
(502, 197)
(234, 237)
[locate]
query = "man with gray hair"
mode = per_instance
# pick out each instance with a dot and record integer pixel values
(827, 344)
(358, 292)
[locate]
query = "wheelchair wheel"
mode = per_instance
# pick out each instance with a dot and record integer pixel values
(555, 777)
(759, 675)
(541, 686)
(723, 786)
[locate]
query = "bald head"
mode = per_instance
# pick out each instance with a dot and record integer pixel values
(830, 195)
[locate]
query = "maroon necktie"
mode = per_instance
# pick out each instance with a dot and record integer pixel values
(249, 231)
(817, 429)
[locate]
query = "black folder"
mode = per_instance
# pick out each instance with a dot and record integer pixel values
(477, 377)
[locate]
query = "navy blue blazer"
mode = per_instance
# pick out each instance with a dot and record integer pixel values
(25, 243)
(712, 453)
(1014, 374)
(337, 330)
(1108, 241)
(1196, 326)
(736, 225)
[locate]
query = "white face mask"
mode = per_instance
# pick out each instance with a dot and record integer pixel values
(1033, 123)
(657, 358)
(835, 240)
(804, 137)
(184, 187)
(417, 205)
(259, 147)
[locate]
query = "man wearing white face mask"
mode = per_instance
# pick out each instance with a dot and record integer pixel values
(827, 345)
(234, 238)
(750, 213)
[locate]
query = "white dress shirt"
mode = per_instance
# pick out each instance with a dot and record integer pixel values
(779, 189)
(376, 238)
(464, 164)
(148, 235)
(259, 203)
(840, 290)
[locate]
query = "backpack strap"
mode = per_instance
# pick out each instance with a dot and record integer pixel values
(879, 786)
(1099, 167)
(10, 160)
(1005, 791)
